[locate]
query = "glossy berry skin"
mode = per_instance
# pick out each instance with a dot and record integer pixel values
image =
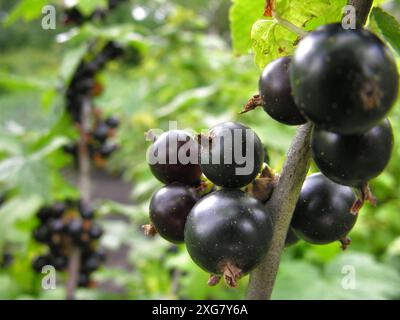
(345, 81)
(219, 151)
(276, 93)
(164, 158)
(322, 213)
(353, 160)
(169, 208)
(228, 227)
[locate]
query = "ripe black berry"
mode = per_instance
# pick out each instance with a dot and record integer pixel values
(90, 263)
(165, 156)
(101, 131)
(276, 93)
(58, 210)
(42, 234)
(107, 149)
(227, 233)
(56, 226)
(71, 149)
(113, 50)
(74, 229)
(59, 262)
(95, 231)
(45, 214)
(85, 210)
(39, 262)
(112, 122)
(83, 280)
(231, 155)
(353, 160)
(169, 208)
(323, 211)
(344, 81)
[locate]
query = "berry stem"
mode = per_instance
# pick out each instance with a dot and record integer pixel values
(285, 196)
(281, 205)
(289, 26)
(85, 191)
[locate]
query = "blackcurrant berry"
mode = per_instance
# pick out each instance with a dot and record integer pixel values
(227, 233)
(112, 122)
(71, 149)
(101, 255)
(75, 229)
(72, 16)
(83, 280)
(56, 226)
(42, 234)
(44, 214)
(58, 262)
(85, 210)
(101, 131)
(344, 81)
(58, 210)
(323, 211)
(169, 208)
(353, 160)
(95, 231)
(231, 155)
(107, 149)
(6, 260)
(91, 263)
(39, 262)
(276, 93)
(113, 50)
(173, 157)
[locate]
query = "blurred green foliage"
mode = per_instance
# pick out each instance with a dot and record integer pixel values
(188, 74)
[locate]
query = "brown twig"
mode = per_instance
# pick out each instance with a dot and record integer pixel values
(281, 206)
(85, 192)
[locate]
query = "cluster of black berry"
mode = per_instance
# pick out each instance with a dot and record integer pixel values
(84, 83)
(226, 231)
(345, 82)
(63, 227)
(73, 15)
(99, 146)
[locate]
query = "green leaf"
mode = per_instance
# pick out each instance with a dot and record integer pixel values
(330, 283)
(27, 10)
(271, 40)
(30, 173)
(16, 209)
(242, 15)
(310, 14)
(185, 99)
(388, 26)
(89, 6)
